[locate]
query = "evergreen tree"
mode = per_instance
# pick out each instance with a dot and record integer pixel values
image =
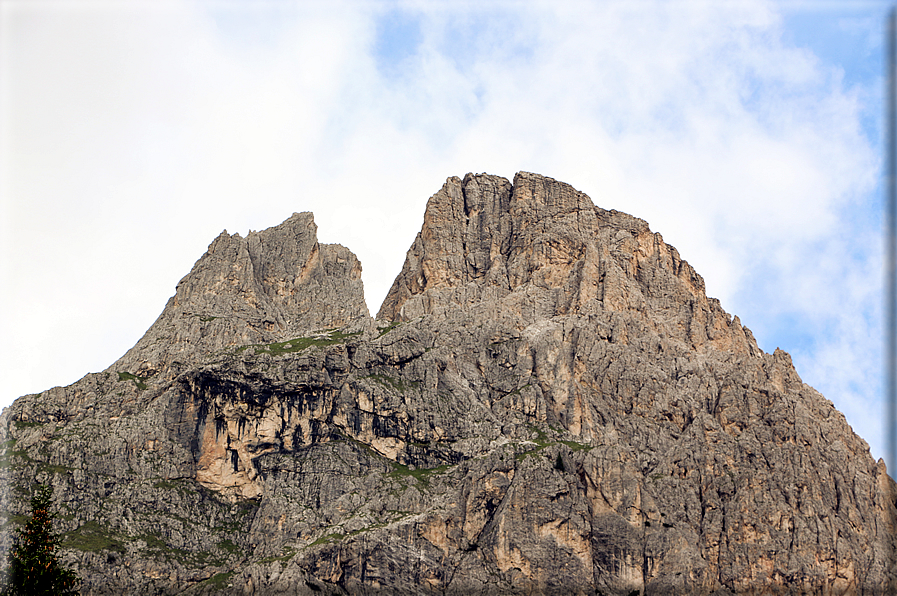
(32, 566)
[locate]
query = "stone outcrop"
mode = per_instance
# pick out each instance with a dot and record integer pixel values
(547, 403)
(274, 284)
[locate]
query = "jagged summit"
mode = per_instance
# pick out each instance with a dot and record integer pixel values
(548, 403)
(538, 248)
(270, 286)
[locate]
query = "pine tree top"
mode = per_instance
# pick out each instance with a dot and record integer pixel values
(33, 568)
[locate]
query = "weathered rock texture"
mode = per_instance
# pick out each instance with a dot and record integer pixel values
(548, 403)
(274, 284)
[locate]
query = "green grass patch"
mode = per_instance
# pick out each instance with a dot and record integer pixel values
(518, 390)
(191, 559)
(201, 559)
(227, 545)
(180, 485)
(156, 546)
(20, 424)
(331, 337)
(7, 459)
(154, 542)
(542, 441)
(17, 520)
(92, 537)
(18, 453)
(335, 537)
(422, 475)
(384, 330)
(219, 581)
(207, 319)
(576, 446)
(395, 384)
(541, 438)
(54, 468)
(139, 381)
(530, 453)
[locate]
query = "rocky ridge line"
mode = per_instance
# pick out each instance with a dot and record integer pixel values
(548, 403)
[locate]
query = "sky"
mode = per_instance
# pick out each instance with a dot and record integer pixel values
(748, 133)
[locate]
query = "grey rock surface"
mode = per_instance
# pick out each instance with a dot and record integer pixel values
(272, 285)
(547, 403)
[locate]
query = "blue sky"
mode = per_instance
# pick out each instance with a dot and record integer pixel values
(748, 133)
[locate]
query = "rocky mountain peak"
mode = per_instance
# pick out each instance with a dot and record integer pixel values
(548, 403)
(272, 285)
(538, 248)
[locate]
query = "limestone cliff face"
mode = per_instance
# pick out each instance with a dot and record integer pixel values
(539, 249)
(548, 403)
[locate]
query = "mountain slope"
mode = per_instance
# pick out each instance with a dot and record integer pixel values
(547, 402)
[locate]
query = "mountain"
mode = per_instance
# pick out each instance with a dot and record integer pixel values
(546, 403)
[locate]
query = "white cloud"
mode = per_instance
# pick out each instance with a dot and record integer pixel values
(132, 136)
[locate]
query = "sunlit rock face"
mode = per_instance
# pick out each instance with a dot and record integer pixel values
(547, 403)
